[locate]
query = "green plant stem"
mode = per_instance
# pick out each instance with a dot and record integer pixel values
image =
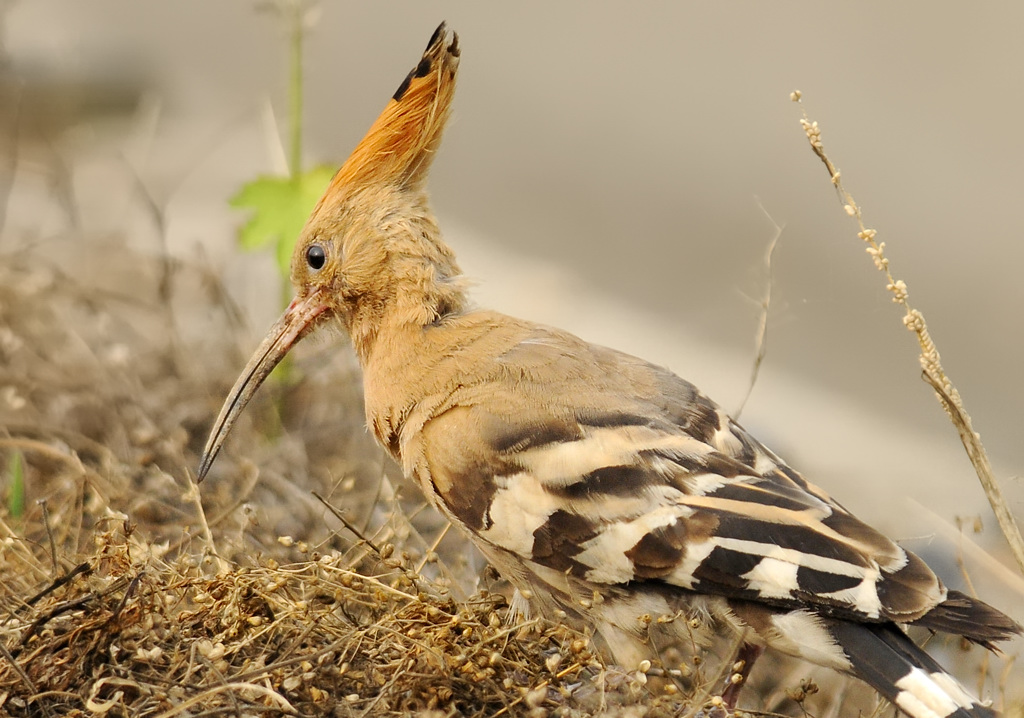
(294, 113)
(295, 92)
(295, 117)
(16, 488)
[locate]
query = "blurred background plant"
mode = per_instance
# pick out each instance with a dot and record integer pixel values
(280, 205)
(15, 485)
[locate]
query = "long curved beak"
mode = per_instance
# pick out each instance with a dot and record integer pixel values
(294, 324)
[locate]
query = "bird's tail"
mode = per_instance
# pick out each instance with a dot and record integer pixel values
(975, 620)
(884, 657)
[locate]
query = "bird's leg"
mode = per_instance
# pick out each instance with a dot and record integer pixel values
(745, 659)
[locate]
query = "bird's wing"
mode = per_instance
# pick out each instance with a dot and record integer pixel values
(591, 462)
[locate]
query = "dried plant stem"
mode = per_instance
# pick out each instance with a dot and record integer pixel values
(432, 550)
(20, 672)
(211, 549)
(543, 684)
(708, 690)
(931, 366)
(254, 689)
(764, 304)
(1004, 678)
(54, 561)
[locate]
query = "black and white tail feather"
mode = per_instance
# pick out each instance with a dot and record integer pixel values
(903, 673)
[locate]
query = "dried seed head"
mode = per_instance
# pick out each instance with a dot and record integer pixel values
(536, 697)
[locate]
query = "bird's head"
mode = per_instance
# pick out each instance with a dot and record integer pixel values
(370, 254)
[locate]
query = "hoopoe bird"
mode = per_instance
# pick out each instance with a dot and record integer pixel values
(581, 472)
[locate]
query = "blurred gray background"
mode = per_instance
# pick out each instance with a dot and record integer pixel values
(611, 168)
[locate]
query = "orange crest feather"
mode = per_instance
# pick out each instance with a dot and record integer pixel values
(398, 148)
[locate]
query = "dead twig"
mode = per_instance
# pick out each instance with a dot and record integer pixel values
(931, 366)
(761, 342)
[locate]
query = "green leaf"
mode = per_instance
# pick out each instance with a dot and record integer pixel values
(282, 205)
(16, 491)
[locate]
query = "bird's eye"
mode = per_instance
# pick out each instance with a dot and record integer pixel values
(316, 257)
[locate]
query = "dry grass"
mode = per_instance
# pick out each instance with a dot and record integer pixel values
(133, 634)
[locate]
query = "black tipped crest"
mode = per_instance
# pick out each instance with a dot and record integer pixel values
(400, 92)
(399, 147)
(438, 33)
(425, 64)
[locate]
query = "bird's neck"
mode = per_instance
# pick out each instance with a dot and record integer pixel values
(422, 295)
(398, 358)
(414, 370)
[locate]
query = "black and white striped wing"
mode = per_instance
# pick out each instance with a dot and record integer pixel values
(646, 502)
(665, 489)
